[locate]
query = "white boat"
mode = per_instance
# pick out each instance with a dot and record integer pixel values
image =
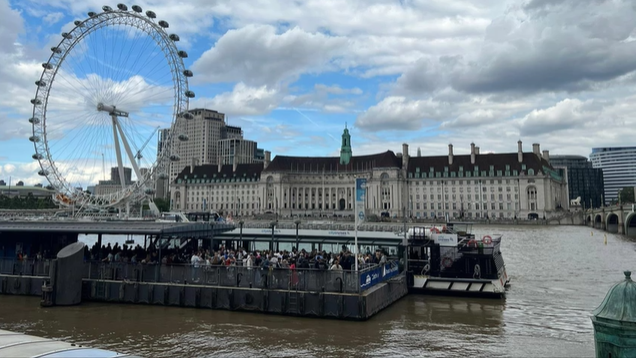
(452, 261)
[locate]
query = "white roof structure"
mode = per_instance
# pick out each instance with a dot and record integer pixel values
(14, 344)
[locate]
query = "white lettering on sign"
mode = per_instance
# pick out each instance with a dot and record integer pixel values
(445, 239)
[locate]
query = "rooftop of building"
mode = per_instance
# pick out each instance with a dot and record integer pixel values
(611, 149)
(282, 163)
(567, 157)
(211, 171)
(504, 162)
(25, 188)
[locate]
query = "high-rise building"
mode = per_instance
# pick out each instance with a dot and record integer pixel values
(210, 141)
(619, 169)
(584, 180)
(203, 133)
(162, 185)
(242, 150)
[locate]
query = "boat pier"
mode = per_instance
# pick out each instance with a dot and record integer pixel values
(68, 279)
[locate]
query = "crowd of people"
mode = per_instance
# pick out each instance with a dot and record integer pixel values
(228, 256)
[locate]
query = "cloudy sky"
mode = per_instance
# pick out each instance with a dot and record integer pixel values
(425, 72)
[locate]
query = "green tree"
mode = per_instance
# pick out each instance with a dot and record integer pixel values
(162, 204)
(627, 195)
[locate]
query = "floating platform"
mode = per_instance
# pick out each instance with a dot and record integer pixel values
(348, 306)
(14, 344)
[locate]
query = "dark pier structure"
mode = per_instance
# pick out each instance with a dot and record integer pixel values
(67, 279)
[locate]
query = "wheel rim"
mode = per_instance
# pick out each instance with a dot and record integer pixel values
(119, 58)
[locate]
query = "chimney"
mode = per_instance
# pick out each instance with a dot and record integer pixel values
(476, 150)
(472, 153)
(219, 164)
(536, 149)
(193, 164)
(405, 155)
(520, 151)
(450, 154)
(268, 159)
(546, 155)
(235, 161)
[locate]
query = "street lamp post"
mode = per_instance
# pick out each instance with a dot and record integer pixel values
(297, 222)
(241, 233)
(271, 243)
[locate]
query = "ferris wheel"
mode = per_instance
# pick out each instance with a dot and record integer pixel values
(110, 85)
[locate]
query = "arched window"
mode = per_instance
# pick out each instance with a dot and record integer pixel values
(531, 194)
(530, 171)
(385, 189)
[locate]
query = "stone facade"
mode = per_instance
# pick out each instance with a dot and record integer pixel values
(508, 185)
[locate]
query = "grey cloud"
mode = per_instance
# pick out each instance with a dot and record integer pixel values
(11, 25)
(257, 55)
(568, 49)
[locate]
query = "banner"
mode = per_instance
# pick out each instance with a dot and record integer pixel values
(361, 196)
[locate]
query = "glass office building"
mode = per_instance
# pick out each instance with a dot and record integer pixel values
(584, 180)
(619, 169)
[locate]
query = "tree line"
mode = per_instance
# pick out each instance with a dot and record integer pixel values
(26, 202)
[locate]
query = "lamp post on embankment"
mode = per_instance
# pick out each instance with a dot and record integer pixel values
(271, 243)
(297, 222)
(241, 223)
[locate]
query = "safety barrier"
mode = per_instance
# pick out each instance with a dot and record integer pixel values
(310, 280)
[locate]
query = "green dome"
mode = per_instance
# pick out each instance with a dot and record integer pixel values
(620, 302)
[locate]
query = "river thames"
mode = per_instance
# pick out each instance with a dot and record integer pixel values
(559, 274)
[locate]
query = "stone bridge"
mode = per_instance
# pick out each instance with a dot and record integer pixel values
(619, 219)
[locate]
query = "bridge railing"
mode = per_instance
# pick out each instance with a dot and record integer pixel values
(309, 280)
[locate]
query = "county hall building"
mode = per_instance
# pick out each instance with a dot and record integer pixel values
(507, 185)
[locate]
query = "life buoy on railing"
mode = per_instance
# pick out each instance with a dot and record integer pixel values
(477, 272)
(487, 240)
(444, 228)
(472, 243)
(425, 269)
(435, 230)
(447, 262)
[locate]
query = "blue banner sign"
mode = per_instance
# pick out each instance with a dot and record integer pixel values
(372, 277)
(361, 195)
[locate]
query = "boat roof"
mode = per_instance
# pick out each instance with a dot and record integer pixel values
(14, 344)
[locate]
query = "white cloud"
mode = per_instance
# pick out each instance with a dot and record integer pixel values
(257, 55)
(398, 113)
(243, 100)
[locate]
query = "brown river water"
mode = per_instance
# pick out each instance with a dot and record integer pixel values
(559, 275)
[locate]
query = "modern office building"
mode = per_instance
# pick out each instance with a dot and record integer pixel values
(584, 180)
(242, 150)
(508, 185)
(619, 169)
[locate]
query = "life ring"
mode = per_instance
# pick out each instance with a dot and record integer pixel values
(472, 243)
(487, 240)
(447, 262)
(444, 228)
(435, 230)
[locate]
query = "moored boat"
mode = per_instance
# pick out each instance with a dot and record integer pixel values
(450, 260)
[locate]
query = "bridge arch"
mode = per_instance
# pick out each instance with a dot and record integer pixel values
(611, 223)
(630, 225)
(598, 221)
(588, 220)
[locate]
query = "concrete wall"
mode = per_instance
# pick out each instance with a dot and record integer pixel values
(21, 285)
